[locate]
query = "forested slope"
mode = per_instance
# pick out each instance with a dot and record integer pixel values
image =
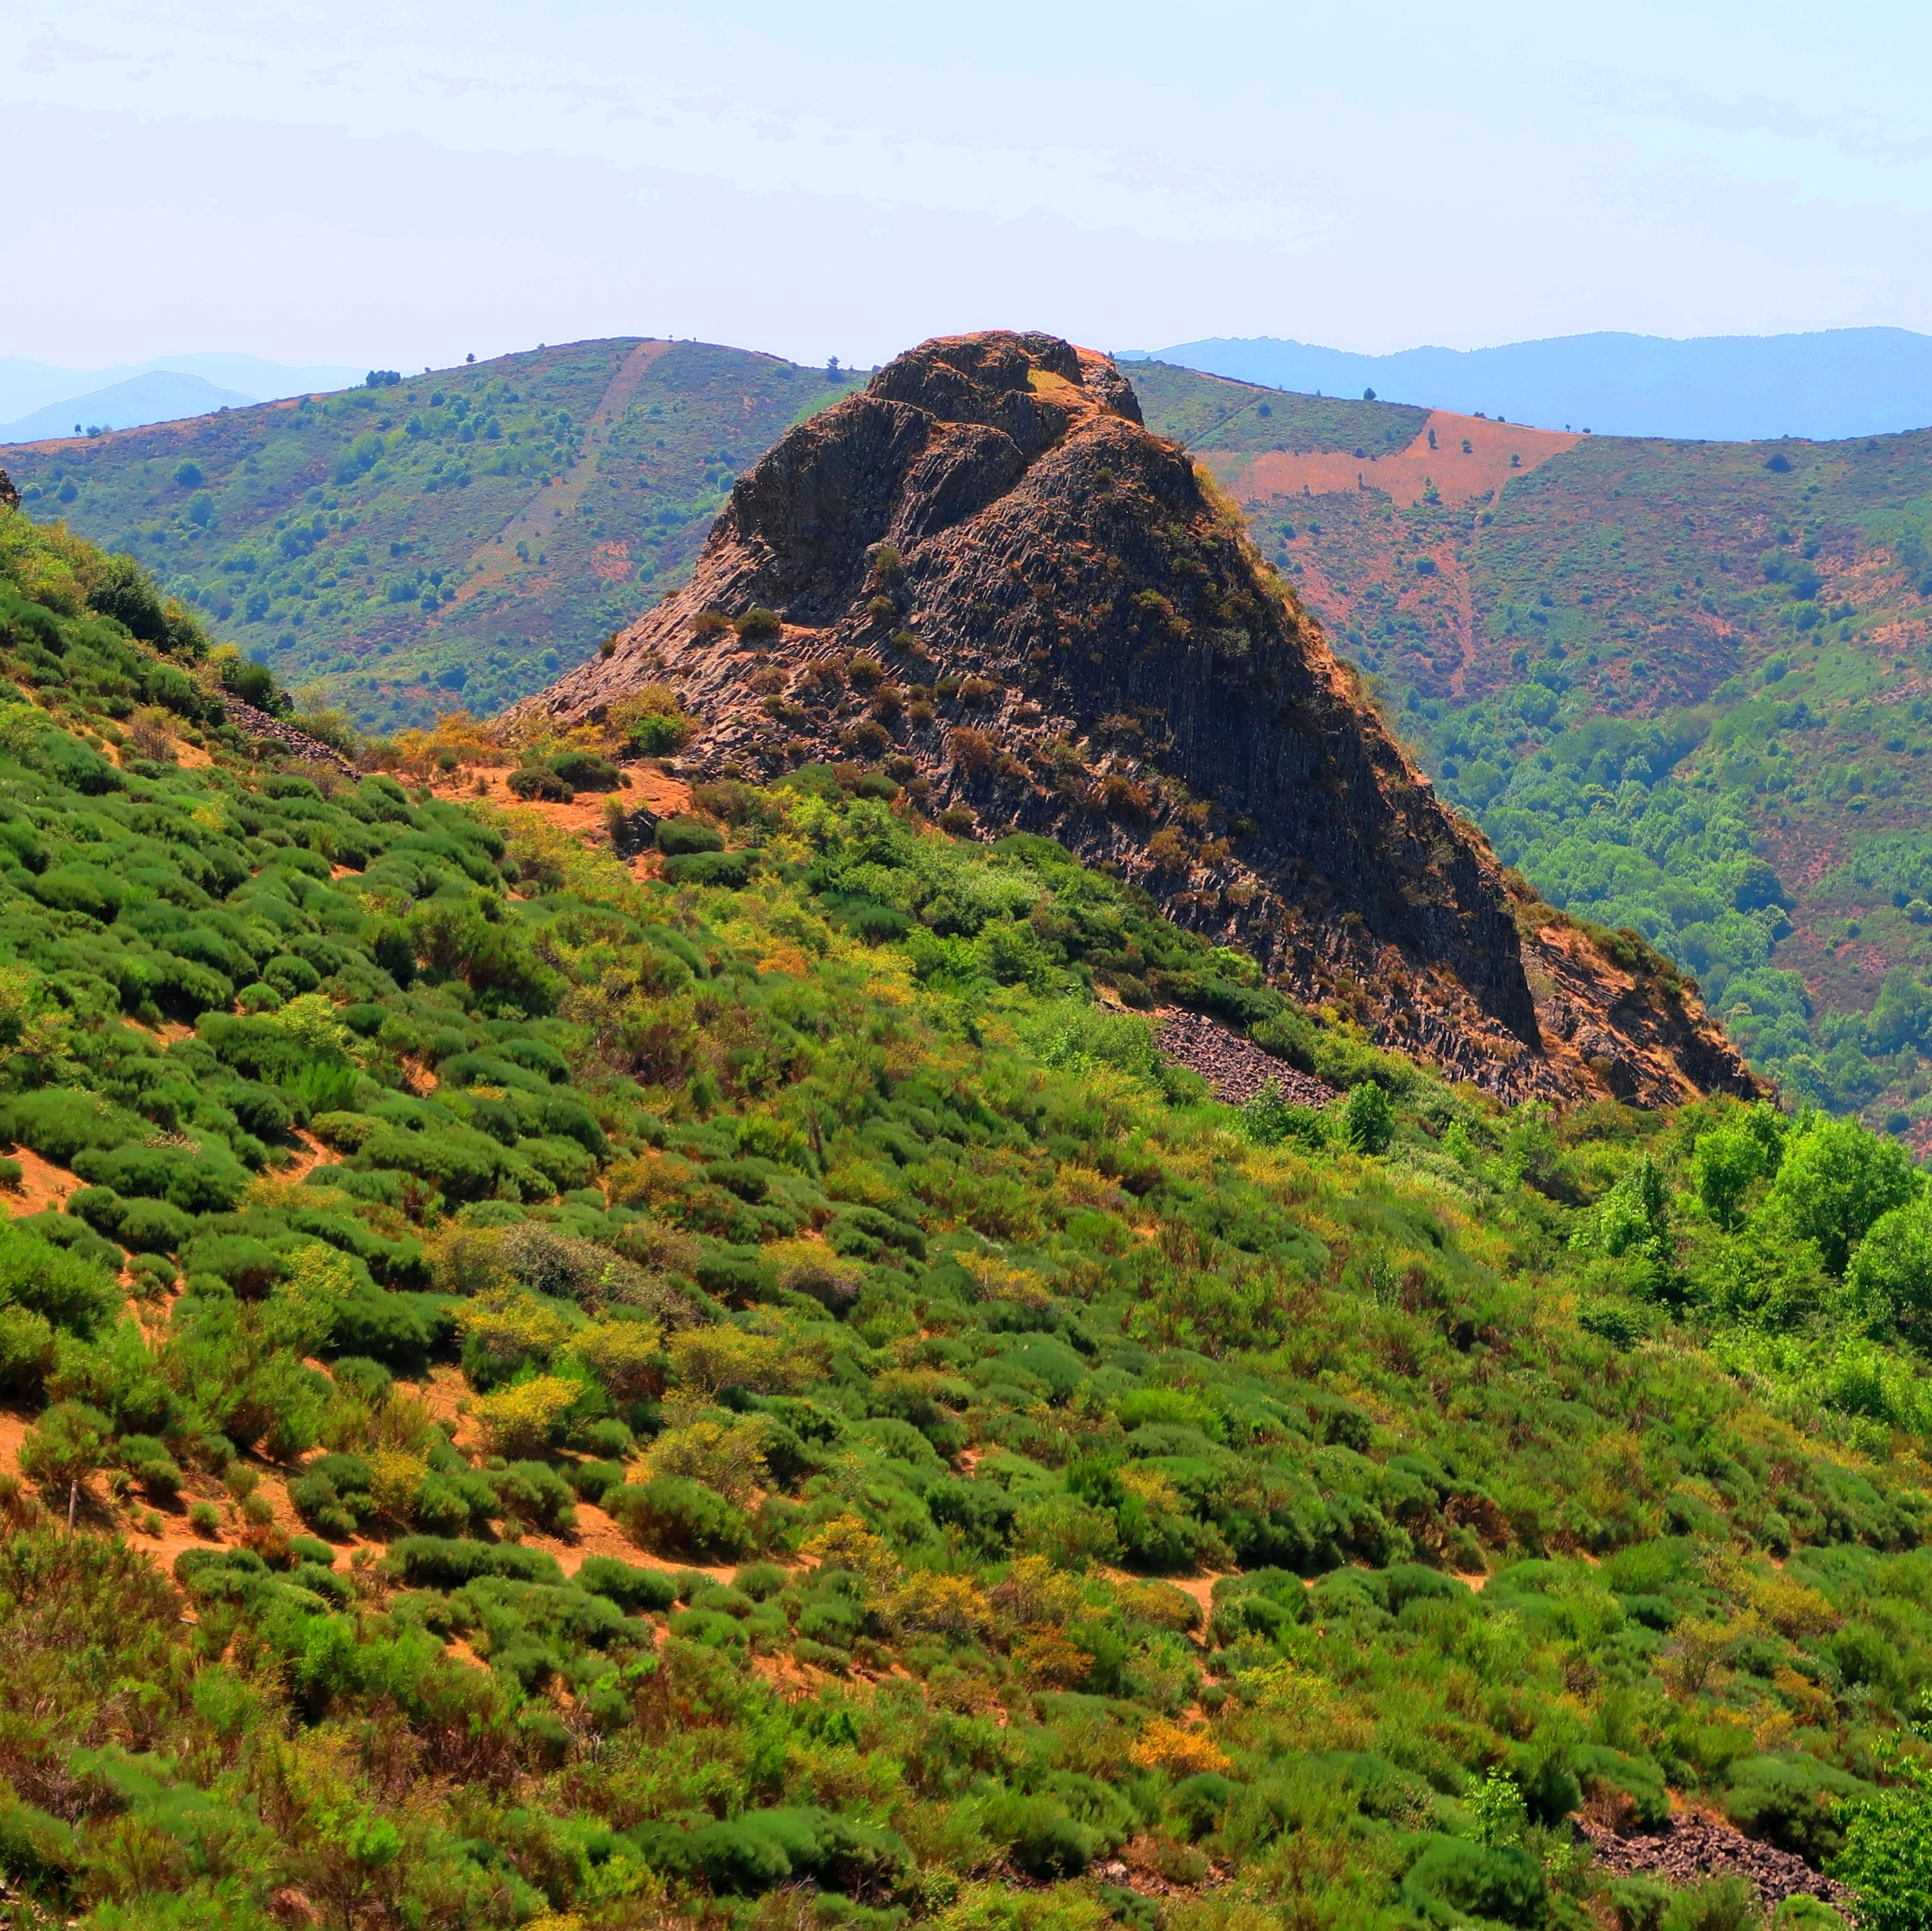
(1684, 686)
(724, 1387)
(406, 547)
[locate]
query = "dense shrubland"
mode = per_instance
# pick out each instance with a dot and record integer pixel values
(694, 1396)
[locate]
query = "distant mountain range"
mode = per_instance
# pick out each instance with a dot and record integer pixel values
(38, 400)
(162, 397)
(1836, 382)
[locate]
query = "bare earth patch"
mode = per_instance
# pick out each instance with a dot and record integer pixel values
(1457, 478)
(43, 1185)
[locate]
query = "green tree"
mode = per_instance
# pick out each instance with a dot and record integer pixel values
(1634, 1216)
(1368, 1118)
(1836, 1180)
(1498, 1810)
(1892, 1268)
(1887, 1858)
(1731, 1158)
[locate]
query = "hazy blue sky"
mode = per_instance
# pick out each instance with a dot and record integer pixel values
(405, 182)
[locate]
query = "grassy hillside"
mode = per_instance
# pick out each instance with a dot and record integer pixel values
(1684, 686)
(723, 1388)
(453, 540)
(1207, 414)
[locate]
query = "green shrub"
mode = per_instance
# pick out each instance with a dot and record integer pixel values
(533, 1491)
(70, 1441)
(37, 1851)
(60, 1286)
(725, 871)
(1504, 1883)
(659, 734)
(148, 1461)
(535, 782)
(563, 1162)
(248, 1266)
(1793, 1802)
(683, 837)
(154, 1227)
(585, 771)
(676, 1516)
(291, 976)
(1043, 1841)
(433, 1562)
(762, 1849)
(59, 1121)
(632, 1589)
(592, 1480)
(759, 626)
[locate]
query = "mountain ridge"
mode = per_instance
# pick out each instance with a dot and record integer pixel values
(452, 539)
(1826, 385)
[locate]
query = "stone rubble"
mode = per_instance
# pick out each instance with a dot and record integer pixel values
(1687, 1850)
(1236, 1068)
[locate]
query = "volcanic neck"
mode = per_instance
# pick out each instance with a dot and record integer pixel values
(995, 582)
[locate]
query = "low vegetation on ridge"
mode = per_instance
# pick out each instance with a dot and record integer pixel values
(733, 1388)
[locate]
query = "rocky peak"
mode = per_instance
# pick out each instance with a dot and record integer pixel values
(993, 581)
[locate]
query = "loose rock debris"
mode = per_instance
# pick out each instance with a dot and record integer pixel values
(1237, 1068)
(1687, 1850)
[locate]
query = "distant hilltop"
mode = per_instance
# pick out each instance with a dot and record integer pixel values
(38, 401)
(1834, 383)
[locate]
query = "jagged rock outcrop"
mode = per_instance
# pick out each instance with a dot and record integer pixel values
(988, 577)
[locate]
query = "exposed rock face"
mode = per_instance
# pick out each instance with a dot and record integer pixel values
(994, 580)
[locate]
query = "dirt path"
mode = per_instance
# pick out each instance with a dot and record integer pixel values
(539, 519)
(312, 1154)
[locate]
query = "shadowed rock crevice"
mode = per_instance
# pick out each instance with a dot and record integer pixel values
(996, 583)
